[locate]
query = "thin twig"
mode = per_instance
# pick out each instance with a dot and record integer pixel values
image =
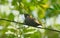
(49, 29)
(23, 23)
(11, 21)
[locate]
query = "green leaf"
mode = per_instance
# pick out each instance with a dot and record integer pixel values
(35, 35)
(11, 16)
(51, 34)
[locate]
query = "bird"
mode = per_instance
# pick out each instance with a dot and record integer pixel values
(31, 21)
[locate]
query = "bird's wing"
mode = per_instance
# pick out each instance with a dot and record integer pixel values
(37, 21)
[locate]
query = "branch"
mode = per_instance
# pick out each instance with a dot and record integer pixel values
(23, 23)
(10, 21)
(49, 29)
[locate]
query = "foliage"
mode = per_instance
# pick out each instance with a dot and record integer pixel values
(39, 9)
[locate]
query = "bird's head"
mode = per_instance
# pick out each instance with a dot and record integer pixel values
(26, 15)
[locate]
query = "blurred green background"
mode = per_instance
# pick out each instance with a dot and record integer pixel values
(46, 11)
